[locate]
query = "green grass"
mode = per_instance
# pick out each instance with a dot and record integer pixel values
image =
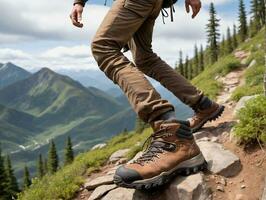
(206, 80)
(252, 121)
(253, 75)
(68, 180)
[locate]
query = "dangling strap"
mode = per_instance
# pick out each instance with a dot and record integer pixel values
(172, 10)
(165, 13)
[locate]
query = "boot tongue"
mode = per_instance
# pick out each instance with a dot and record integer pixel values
(170, 126)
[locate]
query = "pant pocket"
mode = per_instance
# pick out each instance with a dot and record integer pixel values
(141, 8)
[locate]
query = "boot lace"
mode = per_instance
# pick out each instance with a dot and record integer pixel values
(155, 147)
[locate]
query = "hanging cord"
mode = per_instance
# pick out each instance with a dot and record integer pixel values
(165, 14)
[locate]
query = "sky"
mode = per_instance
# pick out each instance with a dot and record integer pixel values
(38, 33)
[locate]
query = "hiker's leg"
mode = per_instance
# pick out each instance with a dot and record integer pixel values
(153, 66)
(122, 21)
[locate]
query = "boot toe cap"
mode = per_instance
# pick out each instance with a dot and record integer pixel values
(127, 175)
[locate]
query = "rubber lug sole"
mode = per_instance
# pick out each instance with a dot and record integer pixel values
(212, 117)
(162, 179)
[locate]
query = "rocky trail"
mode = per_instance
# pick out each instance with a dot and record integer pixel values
(233, 173)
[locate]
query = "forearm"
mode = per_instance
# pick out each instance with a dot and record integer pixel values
(81, 2)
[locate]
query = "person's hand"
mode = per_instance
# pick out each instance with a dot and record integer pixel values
(195, 5)
(76, 15)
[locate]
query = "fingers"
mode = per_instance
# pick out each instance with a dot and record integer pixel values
(76, 18)
(196, 8)
(187, 6)
(79, 17)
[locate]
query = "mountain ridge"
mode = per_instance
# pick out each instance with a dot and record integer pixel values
(11, 73)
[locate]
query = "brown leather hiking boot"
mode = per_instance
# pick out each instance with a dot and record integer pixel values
(167, 155)
(205, 111)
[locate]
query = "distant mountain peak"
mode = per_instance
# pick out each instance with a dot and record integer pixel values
(11, 65)
(46, 69)
(11, 73)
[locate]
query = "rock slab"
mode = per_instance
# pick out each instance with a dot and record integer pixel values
(188, 188)
(220, 161)
(126, 194)
(181, 188)
(241, 103)
(101, 191)
(116, 156)
(102, 180)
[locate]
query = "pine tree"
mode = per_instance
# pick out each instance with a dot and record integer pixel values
(235, 42)
(26, 178)
(69, 153)
(196, 60)
(3, 179)
(45, 166)
(40, 167)
(261, 10)
(255, 12)
(222, 51)
(229, 43)
(213, 34)
(52, 158)
(186, 68)
(190, 70)
(12, 184)
(243, 28)
(201, 59)
(180, 65)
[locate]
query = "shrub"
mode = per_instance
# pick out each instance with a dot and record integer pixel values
(252, 121)
(246, 91)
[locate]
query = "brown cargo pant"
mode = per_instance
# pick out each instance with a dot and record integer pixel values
(131, 22)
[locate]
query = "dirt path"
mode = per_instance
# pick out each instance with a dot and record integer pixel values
(249, 183)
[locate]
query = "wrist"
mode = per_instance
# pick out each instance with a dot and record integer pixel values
(79, 3)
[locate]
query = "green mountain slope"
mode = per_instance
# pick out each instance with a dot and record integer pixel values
(47, 106)
(16, 129)
(10, 73)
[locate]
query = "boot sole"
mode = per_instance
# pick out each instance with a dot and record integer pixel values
(185, 168)
(212, 117)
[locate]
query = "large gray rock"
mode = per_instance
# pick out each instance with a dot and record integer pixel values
(116, 156)
(241, 103)
(101, 191)
(220, 161)
(127, 194)
(98, 146)
(181, 188)
(188, 188)
(102, 180)
(202, 135)
(252, 63)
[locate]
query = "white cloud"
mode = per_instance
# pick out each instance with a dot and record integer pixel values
(35, 21)
(216, 2)
(46, 20)
(72, 52)
(13, 54)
